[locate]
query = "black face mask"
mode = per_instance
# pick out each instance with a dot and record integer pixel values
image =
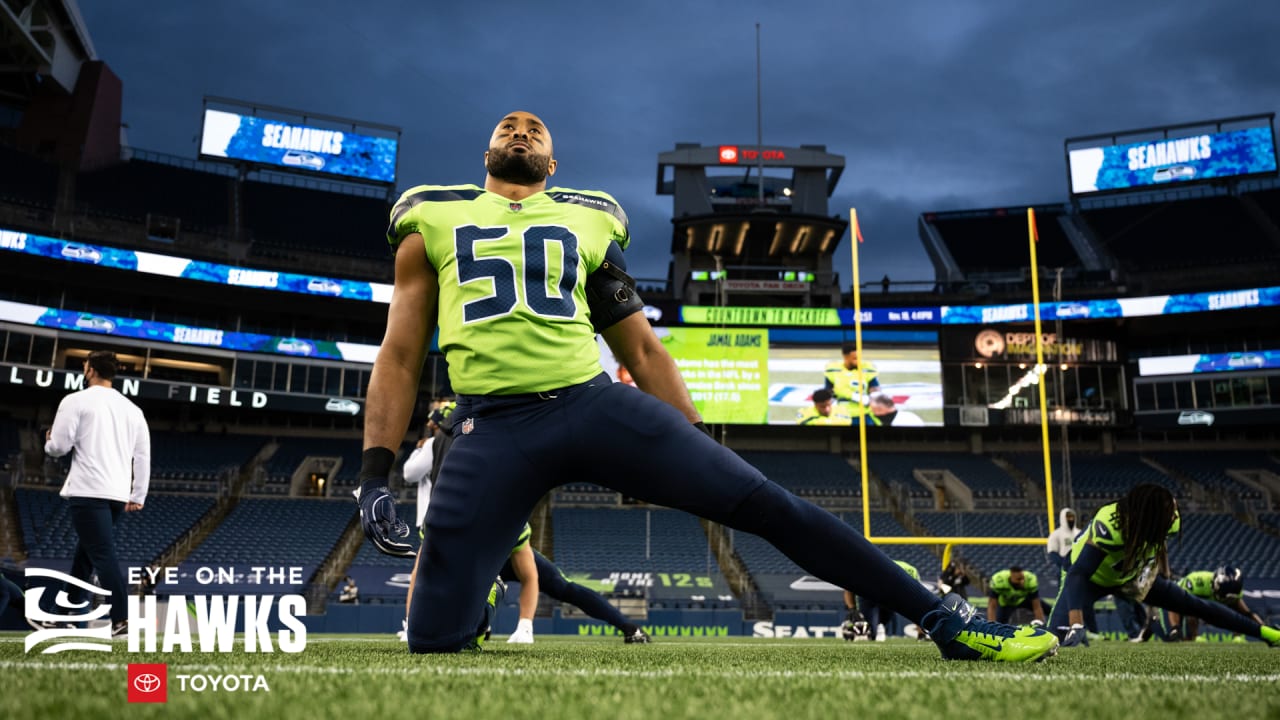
(1071, 523)
(887, 418)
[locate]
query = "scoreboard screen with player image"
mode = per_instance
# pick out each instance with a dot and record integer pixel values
(773, 376)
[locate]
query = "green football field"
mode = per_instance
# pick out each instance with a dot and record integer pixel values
(562, 677)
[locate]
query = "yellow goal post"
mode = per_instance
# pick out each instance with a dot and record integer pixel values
(855, 238)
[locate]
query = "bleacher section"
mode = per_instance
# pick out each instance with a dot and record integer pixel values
(10, 442)
(807, 473)
(1208, 541)
(1098, 477)
(1209, 469)
(27, 180)
(990, 559)
(1269, 202)
(788, 587)
(1271, 521)
(897, 471)
(349, 226)
(995, 241)
(669, 545)
(270, 531)
(292, 451)
(140, 536)
(196, 462)
(133, 189)
(1173, 234)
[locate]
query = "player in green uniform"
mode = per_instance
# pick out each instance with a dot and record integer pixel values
(1224, 585)
(1124, 551)
(520, 279)
(1012, 589)
(841, 377)
(824, 411)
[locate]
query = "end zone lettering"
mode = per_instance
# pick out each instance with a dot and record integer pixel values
(765, 628)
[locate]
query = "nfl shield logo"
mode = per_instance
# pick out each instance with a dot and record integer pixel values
(469, 424)
(515, 206)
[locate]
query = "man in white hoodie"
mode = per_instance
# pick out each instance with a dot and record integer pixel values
(1060, 540)
(109, 474)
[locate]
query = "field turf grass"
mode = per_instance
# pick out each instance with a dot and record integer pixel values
(365, 677)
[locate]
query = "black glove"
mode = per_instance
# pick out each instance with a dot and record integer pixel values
(379, 520)
(1075, 635)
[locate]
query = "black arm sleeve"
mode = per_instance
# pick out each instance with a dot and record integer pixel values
(611, 293)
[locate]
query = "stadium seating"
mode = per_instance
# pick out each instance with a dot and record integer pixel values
(293, 450)
(1098, 477)
(135, 188)
(1208, 541)
(280, 531)
(629, 539)
(330, 223)
(897, 471)
(807, 473)
(761, 558)
(1172, 234)
(27, 179)
(665, 550)
(1269, 202)
(10, 442)
(990, 559)
(140, 536)
(996, 241)
(1209, 469)
(195, 462)
(986, 479)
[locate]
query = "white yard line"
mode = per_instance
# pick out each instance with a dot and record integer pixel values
(449, 671)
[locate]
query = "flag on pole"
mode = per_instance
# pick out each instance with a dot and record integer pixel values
(1031, 220)
(857, 229)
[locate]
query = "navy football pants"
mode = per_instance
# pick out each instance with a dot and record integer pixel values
(553, 584)
(509, 452)
(1165, 594)
(94, 521)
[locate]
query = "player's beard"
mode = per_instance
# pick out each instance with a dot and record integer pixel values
(528, 168)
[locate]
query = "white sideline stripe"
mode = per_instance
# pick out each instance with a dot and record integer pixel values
(657, 674)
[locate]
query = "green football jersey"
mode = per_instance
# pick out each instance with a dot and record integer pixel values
(909, 569)
(1199, 584)
(1009, 596)
(513, 313)
(1104, 532)
(811, 416)
(844, 382)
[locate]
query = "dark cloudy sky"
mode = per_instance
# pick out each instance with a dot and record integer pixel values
(935, 104)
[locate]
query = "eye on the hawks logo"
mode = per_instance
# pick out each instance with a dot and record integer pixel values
(62, 627)
(989, 343)
(148, 683)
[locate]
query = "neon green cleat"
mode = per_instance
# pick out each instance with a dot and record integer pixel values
(1271, 635)
(962, 635)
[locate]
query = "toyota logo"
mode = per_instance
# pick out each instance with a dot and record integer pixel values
(728, 154)
(147, 683)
